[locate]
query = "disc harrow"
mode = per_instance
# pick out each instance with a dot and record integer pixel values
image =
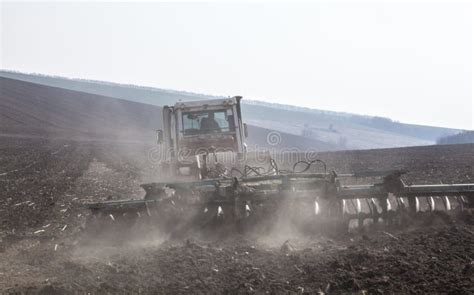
(309, 200)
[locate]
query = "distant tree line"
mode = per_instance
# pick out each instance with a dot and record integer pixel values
(462, 137)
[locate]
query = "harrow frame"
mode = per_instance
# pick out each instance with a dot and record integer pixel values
(236, 198)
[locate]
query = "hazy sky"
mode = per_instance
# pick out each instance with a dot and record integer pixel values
(410, 62)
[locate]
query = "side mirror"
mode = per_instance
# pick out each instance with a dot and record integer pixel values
(246, 133)
(159, 136)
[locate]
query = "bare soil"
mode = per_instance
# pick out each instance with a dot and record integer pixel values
(35, 110)
(42, 247)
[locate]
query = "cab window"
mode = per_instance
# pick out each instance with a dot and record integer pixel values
(206, 122)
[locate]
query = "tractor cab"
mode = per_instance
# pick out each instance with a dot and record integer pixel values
(196, 129)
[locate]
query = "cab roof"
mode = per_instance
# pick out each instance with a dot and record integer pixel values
(204, 104)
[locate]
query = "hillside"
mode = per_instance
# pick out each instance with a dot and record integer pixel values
(344, 130)
(37, 110)
(29, 109)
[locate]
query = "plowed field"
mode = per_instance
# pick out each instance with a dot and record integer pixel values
(42, 248)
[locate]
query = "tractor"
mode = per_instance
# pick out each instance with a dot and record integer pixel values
(208, 178)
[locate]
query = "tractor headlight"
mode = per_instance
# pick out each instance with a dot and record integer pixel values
(185, 171)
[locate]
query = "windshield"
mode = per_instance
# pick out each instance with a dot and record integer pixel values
(206, 122)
